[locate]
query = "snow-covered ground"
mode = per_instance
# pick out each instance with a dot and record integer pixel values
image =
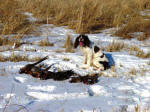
(118, 90)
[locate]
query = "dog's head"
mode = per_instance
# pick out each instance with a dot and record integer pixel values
(82, 40)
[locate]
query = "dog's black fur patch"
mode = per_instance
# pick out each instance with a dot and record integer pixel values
(86, 41)
(105, 64)
(96, 49)
(102, 55)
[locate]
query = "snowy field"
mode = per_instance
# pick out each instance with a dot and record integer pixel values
(116, 91)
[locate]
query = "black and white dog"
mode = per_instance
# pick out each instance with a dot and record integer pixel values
(93, 56)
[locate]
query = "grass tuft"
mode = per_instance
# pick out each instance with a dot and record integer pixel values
(18, 58)
(133, 71)
(45, 42)
(134, 50)
(144, 37)
(115, 46)
(68, 44)
(66, 59)
(142, 54)
(9, 41)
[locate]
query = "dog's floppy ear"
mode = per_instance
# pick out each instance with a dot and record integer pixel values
(96, 49)
(86, 40)
(76, 43)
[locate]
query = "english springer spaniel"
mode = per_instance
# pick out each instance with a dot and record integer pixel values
(93, 56)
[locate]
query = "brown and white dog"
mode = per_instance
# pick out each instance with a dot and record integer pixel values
(93, 56)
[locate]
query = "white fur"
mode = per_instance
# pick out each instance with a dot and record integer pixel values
(97, 58)
(88, 56)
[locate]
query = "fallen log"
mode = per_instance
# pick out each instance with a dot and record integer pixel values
(38, 72)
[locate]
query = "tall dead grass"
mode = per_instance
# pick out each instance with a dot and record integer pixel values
(115, 47)
(12, 19)
(92, 15)
(81, 15)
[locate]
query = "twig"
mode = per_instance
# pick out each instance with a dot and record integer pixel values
(4, 110)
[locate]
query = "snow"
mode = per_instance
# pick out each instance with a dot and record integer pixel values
(96, 90)
(30, 17)
(116, 90)
(20, 79)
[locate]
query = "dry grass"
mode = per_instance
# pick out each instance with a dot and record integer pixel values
(3, 72)
(68, 44)
(81, 15)
(66, 59)
(91, 16)
(137, 24)
(147, 109)
(145, 36)
(11, 18)
(113, 68)
(7, 41)
(143, 71)
(148, 63)
(59, 51)
(142, 54)
(17, 58)
(45, 42)
(140, 72)
(133, 71)
(115, 46)
(134, 50)
(137, 108)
